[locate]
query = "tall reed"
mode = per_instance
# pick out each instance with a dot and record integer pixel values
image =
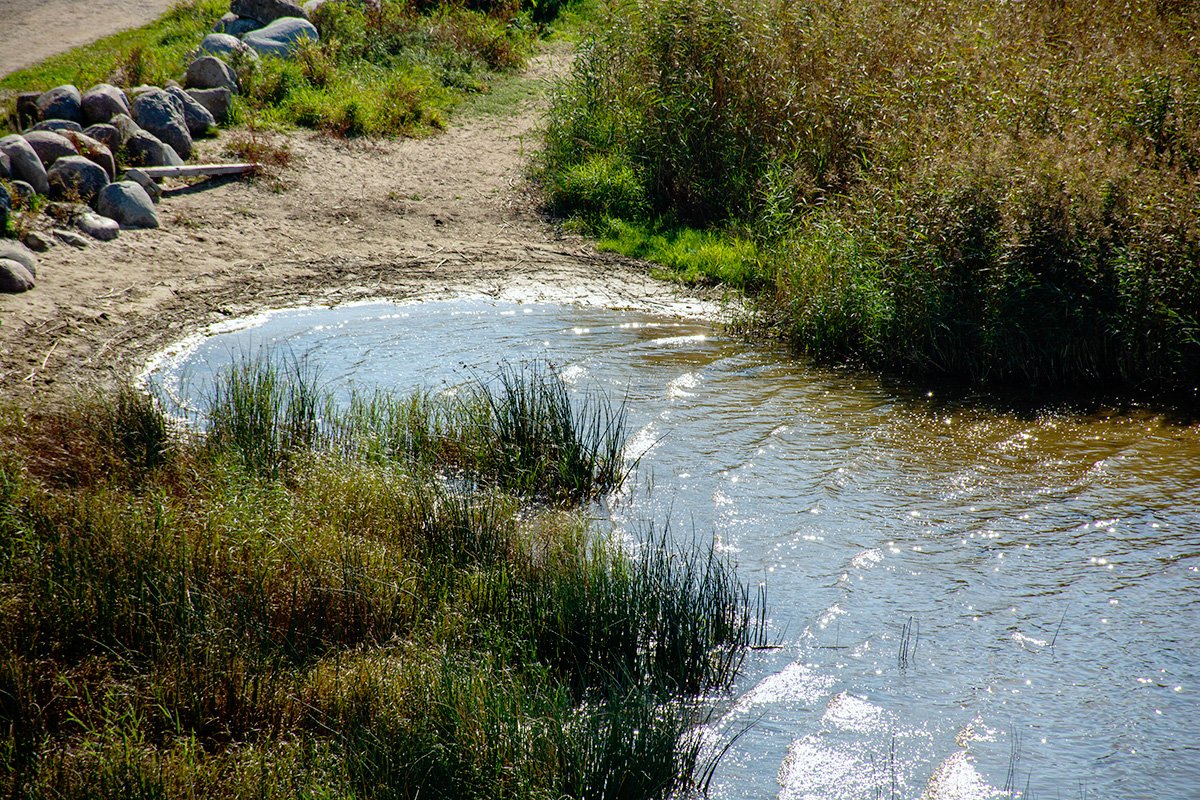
(996, 194)
(264, 410)
(520, 431)
(663, 620)
(236, 618)
(545, 442)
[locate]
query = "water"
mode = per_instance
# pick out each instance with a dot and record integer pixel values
(969, 603)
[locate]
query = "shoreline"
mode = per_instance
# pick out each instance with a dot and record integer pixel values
(348, 219)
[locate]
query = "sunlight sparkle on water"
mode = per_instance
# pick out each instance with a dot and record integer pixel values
(830, 486)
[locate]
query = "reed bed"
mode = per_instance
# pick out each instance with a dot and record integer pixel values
(517, 431)
(324, 616)
(999, 194)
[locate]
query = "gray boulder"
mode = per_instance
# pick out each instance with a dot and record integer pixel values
(61, 102)
(25, 163)
(94, 151)
(266, 11)
(197, 118)
(22, 193)
(15, 251)
(103, 101)
(98, 227)
(281, 37)
(210, 72)
(126, 129)
(75, 176)
(6, 205)
(217, 101)
(145, 181)
(224, 46)
(159, 113)
(128, 204)
(50, 146)
(14, 278)
(57, 126)
(236, 26)
(139, 90)
(106, 135)
(36, 240)
(144, 149)
(5, 165)
(312, 6)
(70, 237)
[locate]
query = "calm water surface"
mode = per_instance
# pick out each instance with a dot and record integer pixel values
(970, 603)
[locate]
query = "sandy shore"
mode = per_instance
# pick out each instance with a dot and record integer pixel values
(345, 220)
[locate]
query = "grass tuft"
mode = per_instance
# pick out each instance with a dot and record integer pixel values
(544, 443)
(264, 411)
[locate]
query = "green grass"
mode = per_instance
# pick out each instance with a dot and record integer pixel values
(576, 20)
(400, 70)
(690, 255)
(518, 431)
(263, 412)
(505, 94)
(1000, 195)
(181, 616)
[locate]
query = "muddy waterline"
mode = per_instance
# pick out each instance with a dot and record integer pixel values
(969, 603)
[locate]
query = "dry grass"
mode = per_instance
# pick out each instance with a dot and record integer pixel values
(200, 616)
(269, 152)
(1002, 194)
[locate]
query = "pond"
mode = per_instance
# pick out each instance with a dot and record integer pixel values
(969, 603)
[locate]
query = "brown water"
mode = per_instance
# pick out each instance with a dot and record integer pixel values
(970, 603)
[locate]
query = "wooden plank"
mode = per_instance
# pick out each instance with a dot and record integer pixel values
(192, 170)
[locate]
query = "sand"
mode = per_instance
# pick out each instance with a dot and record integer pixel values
(345, 220)
(31, 30)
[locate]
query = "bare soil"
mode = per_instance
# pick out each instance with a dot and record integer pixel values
(32, 30)
(345, 220)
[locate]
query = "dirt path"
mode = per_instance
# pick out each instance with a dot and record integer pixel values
(346, 220)
(31, 30)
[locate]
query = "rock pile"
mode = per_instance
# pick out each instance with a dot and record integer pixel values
(75, 143)
(75, 166)
(255, 28)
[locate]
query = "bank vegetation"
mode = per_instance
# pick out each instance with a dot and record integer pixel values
(1003, 194)
(396, 599)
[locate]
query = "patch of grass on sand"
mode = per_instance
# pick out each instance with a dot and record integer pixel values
(151, 54)
(506, 94)
(690, 255)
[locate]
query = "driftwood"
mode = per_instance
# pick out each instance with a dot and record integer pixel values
(191, 170)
